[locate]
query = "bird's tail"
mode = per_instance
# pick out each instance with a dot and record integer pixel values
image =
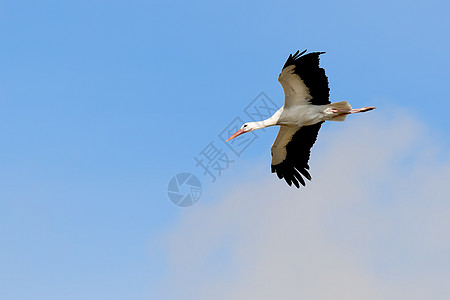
(341, 106)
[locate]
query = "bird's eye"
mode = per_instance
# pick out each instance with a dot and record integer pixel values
(245, 125)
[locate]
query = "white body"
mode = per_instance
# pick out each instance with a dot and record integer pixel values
(304, 115)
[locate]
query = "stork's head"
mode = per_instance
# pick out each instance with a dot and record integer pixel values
(247, 127)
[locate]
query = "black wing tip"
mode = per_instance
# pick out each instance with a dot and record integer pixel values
(291, 174)
(294, 168)
(305, 173)
(293, 57)
(297, 55)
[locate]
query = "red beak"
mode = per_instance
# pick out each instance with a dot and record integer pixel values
(239, 132)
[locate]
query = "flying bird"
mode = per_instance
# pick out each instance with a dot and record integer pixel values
(306, 107)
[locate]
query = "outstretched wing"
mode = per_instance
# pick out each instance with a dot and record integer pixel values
(291, 150)
(303, 81)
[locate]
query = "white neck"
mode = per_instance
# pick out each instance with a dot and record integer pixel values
(268, 122)
(262, 124)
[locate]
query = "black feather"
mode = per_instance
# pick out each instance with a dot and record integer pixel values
(297, 155)
(308, 69)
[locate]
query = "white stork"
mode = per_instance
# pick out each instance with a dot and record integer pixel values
(306, 107)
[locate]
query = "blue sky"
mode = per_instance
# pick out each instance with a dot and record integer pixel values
(103, 102)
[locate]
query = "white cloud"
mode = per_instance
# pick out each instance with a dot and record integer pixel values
(373, 224)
